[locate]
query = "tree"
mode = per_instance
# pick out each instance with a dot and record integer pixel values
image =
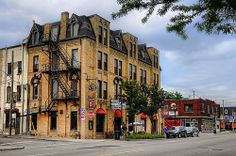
(210, 16)
(173, 96)
(154, 101)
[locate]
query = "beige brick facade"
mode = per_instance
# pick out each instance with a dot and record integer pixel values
(88, 47)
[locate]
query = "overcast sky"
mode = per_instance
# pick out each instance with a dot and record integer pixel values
(203, 63)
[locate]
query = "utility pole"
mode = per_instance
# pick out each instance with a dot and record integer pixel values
(232, 119)
(223, 113)
(12, 97)
(193, 94)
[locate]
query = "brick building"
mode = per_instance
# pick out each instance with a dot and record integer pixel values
(200, 113)
(76, 67)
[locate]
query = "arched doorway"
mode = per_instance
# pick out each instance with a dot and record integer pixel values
(100, 120)
(117, 120)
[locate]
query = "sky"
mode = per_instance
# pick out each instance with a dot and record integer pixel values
(204, 64)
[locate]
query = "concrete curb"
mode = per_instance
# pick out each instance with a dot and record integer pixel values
(9, 148)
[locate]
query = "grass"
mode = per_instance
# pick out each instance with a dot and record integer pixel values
(145, 136)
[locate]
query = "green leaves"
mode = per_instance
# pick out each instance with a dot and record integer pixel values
(209, 16)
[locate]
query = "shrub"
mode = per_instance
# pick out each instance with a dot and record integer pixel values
(145, 136)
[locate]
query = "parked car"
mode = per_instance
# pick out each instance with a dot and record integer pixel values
(192, 131)
(176, 131)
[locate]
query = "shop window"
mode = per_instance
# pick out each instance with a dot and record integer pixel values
(53, 125)
(7, 120)
(73, 120)
(188, 108)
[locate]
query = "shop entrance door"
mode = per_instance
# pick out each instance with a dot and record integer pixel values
(100, 123)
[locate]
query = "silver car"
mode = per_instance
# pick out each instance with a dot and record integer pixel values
(192, 131)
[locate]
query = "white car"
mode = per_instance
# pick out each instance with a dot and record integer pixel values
(192, 131)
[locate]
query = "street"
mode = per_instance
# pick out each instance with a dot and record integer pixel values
(205, 145)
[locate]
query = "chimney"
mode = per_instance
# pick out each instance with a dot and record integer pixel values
(64, 24)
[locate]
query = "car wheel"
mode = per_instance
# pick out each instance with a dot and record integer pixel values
(179, 135)
(192, 134)
(185, 135)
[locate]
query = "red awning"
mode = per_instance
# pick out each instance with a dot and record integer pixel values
(143, 116)
(100, 111)
(118, 113)
(155, 117)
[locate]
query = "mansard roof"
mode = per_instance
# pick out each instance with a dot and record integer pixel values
(143, 54)
(114, 35)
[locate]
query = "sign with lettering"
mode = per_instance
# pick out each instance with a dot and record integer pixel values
(82, 114)
(116, 104)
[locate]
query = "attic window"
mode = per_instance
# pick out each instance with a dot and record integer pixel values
(74, 29)
(118, 41)
(35, 37)
(142, 54)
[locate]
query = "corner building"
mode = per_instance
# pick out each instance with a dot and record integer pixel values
(76, 67)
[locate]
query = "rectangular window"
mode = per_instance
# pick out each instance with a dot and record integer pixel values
(130, 72)
(208, 109)
(188, 108)
(115, 90)
(55, 33)
(35, 91)
(74, 57)
(203, 108)
(135, 72)
(100, 34)
(157, 62)
(36, 63)
(144, 76)
(141, 76)
(53, 120)
(131, 49)
(105, 62)
(99, 60)
(73, 120)
(120, 68)
(116, 67)
(99, 89)
(154, 61)
(9, 69)
(154, 78)
(19, 65)
(18, 89)
(104, 90)
(8, 94)
(134, 50)
(105, 36)
(7, 120)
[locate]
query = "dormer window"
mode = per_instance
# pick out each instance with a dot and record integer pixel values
(74, 29)
(118, 41)
(35, 37)
(142, 54)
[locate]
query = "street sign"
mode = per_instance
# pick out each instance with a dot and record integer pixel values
(116, 104)
(82, 114)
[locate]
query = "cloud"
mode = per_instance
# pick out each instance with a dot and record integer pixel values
(202, 63)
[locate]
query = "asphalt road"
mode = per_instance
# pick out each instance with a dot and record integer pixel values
(205, 145)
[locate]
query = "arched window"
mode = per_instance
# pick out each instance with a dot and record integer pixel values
(74, 29)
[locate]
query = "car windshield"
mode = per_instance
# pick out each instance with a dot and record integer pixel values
(172, 128)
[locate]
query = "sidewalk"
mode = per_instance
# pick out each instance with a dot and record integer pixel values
(10, 147)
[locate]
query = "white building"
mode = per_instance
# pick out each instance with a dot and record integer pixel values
(20, 71)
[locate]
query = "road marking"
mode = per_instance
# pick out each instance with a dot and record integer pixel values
(123, 152)
(42, 154)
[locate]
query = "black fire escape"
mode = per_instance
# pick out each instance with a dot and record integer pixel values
(61, 70)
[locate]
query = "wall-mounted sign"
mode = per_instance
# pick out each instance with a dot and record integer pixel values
(82, 114)
(91, 103)
(173, 113)
(116, 104)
